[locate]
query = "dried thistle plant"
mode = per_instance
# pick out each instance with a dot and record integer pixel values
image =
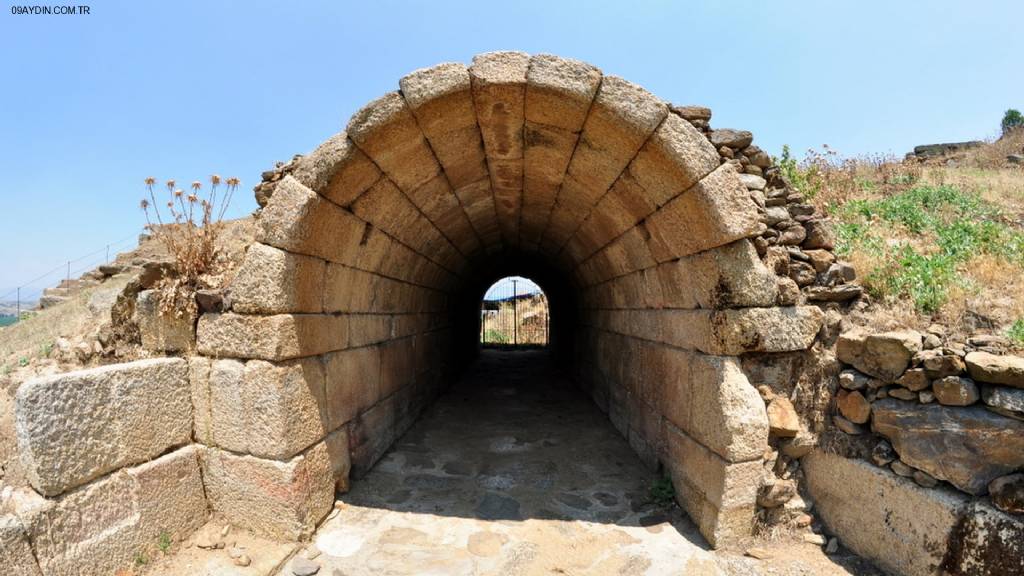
(189, 233)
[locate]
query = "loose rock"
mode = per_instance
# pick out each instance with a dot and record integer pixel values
(955, 391)
(1007, 493)
(782, 418)
(301, 566)
(992, 369)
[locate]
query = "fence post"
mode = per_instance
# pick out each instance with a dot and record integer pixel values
(515, 314)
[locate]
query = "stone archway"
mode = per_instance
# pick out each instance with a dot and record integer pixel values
(351, 309)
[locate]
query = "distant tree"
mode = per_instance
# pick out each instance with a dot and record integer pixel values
(1012, 120)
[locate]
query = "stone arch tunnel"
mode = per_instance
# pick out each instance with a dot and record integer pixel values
(360, 297)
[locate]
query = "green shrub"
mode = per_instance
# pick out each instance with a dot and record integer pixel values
(662, 492)
(1016, 332)
(1012, 119)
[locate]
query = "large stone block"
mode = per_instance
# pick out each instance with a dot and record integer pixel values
(163, 331)
(724, 277)
(271, 410)
(279, 337)
(387, 132)
(720, 497)
(105, 526)
(441, 99)
(272, 281)
(371, 435)
(353, 383)
(303, 222)
(676, 157)
(621, 118)
(710, 399)
(274, 499)
(987, 542)
(714, 212)
(902, 527)
(338, 170)
(968, 447)
(559, 91)
(338, 452)
(15, 552)
(77, 426)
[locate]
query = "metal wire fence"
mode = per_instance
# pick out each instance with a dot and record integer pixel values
(27, 294)
(514, 313)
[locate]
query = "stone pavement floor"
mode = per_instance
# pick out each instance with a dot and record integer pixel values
(515, 471)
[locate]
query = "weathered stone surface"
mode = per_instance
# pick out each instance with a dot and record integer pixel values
(846, 426)
(853, 406)
(716, 211)
(674, 158)
(940, 366)
(15, 552)
(733, 332)
(162, 332)
(914, 379)
(885, 356)
(77, 426)
(967, 447)
(727, 276)
(955, 391)
(720, 497)
(1007, 493)
(102, 527)
(710, 399)
(776, 493)
(903, 528)
(1010, 400)
(337, 169)
(272, 281)
(987, 542)
(735, 139)
(387, 132)
(986, 367)
(279, 337)
(282, 500)
(782, 418)
(271, 410)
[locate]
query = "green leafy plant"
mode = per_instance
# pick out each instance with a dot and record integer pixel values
(1012, 120)
(662, 492)
(23, 361)
(164, 541)
(141, 559)
(46, 349)
(1016, 332)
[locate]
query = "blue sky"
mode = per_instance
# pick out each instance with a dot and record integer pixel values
(91, 105)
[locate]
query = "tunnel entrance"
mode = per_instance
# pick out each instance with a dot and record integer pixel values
(359, 302)
(514, 313)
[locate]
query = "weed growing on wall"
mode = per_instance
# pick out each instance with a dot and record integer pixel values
(188, 225)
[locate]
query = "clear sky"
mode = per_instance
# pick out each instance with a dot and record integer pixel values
(92, 104)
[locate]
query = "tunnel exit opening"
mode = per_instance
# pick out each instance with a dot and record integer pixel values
(514, 314)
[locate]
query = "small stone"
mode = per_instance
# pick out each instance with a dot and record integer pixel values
(901, 469)
(754, 182)
(803, 520)
(840, 293)
(925, 397)
(301, 566)
(759, 553)
(782, 418)
(925, 479)
(209, 541)
(816, 539)
(243, 560)
(914, 379)
(853, 406)
(1007, 493)
(312, 552)
(234, 552)
(799, 445)
(766, 393)
(776, 494)
(932, 341)
(853, 380)
(883, 453)
(847, 426)
(955, 391)
(210, 301)
(833, 546)
(942, 366)
(735, 139)
(902, 394)
(224, 531)
(819, 235)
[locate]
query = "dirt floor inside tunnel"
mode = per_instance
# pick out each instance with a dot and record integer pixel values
(515, 471)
